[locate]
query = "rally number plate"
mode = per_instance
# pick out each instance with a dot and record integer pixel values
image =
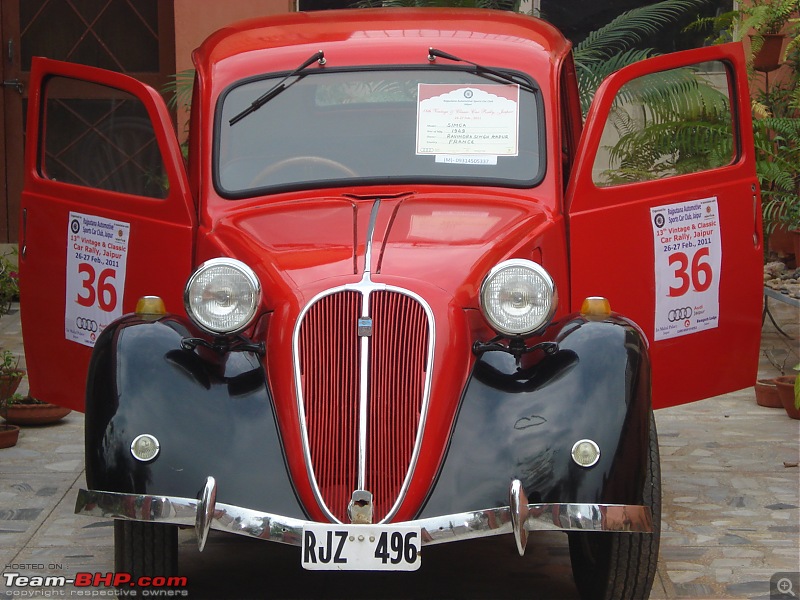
(343, 547)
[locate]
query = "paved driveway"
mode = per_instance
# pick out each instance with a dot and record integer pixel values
(730, 522)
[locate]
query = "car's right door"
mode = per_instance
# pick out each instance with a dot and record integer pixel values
(664, 217)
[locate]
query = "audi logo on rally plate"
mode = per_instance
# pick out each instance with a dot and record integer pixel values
(86, 324)
(679, 314)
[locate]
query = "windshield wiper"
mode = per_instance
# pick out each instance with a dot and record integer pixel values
(434, 52)
(277, 88)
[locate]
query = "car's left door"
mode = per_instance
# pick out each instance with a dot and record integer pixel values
(106, 217)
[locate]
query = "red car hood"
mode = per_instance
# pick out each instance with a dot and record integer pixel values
(304, 246)
(437, 247)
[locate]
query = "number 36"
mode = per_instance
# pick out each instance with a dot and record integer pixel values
(698, 277)
(105, 294)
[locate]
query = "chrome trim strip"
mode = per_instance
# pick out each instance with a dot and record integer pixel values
(373, 218)
(301, 409)
(426, 396)
(518, 507)
(363, 378)
(205, 512)
(363, 389)
(623, 518)
(365, 287)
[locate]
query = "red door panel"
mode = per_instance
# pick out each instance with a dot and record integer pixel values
(665, 219)
(106, 217)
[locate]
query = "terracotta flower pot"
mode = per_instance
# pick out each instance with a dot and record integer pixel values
(9, 434)
(768, 57)
(9, 385)
(785, 385)
(35, 414)
(767, 393)
(781, 241)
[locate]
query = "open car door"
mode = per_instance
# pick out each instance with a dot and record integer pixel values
(107, 217)
(665, 219)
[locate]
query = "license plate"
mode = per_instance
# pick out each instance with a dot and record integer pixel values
(344, 547)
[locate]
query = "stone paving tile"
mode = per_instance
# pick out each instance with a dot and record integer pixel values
(730, 521)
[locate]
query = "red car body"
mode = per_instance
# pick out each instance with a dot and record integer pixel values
(425, 242)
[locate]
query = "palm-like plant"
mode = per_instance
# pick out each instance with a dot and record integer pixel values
(667, 124)
(618, 43)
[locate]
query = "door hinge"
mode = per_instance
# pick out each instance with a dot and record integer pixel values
(15, 83)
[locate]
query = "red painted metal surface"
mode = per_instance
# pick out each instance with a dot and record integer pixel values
(329, 363)
(398, 360)
(612, 250)
(161, 233)
(303, 243)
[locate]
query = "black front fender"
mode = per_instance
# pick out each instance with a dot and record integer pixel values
(211, 413)
(521, 423)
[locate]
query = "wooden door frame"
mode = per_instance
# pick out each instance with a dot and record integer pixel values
(11, 167)
(11, 104)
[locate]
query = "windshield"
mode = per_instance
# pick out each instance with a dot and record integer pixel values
(371, 127)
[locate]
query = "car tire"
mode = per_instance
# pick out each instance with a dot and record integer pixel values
(145, 549)
(621, 566)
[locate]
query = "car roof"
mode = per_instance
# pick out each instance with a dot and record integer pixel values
(389, 29)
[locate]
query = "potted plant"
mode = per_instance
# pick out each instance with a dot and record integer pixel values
(9, 282)
(767, 21)
(25, 410)
(9, 434)
(10, 377)
(789, 393)
(16, 408)
(10, 374)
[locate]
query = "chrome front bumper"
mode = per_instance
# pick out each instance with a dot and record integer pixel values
(518, 518)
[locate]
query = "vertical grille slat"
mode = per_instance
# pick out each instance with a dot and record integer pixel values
(329, 358)
(397, 381)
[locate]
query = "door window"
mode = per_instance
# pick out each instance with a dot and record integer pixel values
(106, 143)
(667, 123)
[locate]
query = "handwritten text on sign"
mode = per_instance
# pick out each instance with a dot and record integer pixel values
(97, 257)
(688, 256)
(481, 121)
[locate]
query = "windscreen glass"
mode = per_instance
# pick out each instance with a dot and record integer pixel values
(378, 127)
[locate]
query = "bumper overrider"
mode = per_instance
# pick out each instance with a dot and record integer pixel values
(518, 518)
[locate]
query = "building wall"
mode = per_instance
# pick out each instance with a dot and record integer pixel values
(195, 20)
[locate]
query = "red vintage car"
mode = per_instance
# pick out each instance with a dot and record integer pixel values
(398, 294)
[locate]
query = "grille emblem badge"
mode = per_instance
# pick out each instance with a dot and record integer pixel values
(364, 327)
(360, 508)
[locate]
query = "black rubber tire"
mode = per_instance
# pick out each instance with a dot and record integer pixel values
(621, 566)
(145, 549)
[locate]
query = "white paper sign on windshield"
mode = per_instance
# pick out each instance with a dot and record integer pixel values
(467, 124)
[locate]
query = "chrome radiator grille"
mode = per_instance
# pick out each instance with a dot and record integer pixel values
(330, 358)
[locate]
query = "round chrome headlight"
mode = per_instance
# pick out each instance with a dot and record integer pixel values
(222, 296)
(518, 297)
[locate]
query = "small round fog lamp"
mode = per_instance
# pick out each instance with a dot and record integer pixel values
(585, 453)
(145, 447)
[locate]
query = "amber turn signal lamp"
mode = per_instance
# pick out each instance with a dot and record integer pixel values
(596, 306)
(150, 307)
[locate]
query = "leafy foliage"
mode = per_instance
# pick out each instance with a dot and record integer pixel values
(668, 123)
(616, 44)
(9, 282)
